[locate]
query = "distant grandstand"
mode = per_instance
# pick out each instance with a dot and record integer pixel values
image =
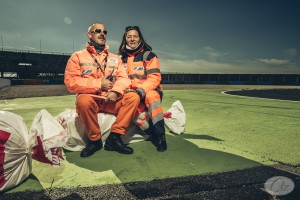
(23, 67)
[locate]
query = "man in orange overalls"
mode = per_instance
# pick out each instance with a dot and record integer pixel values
(99, 80)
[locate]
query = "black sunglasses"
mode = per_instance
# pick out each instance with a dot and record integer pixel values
(128, 28)
(99, 31)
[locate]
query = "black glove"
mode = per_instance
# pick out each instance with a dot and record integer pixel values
(110, 78)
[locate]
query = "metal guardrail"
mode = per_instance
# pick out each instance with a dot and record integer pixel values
(4, 82)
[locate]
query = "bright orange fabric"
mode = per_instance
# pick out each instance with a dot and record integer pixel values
(146, 75)
(124, 109)
(151, 81)
(82, 75)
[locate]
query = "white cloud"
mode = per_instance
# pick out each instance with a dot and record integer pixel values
(244, 67)
(167, 54)
(113, 45)
(113, 42)
(29, 48)
(8, 47)
(211, 53)
(274, 61)
(213, 61)
(206, 53)
(196, 66)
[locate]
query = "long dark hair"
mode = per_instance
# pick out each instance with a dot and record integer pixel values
(122, 47)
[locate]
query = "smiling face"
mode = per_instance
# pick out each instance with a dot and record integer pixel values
(132, 39)
(97, 34)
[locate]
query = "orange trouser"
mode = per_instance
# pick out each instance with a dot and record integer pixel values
(124, 108)
(155, 111)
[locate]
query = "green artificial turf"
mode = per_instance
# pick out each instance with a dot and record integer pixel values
(223, 133)
(261, 129)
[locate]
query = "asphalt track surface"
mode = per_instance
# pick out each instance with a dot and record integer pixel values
(279, 94)
(242, 184)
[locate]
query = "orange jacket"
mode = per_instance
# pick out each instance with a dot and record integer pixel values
(144, 75)
(82, 74)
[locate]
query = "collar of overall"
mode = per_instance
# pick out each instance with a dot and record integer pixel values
(133, 52)
(99, 48)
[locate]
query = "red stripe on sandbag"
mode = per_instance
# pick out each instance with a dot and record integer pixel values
(38, 152)
(3, 139)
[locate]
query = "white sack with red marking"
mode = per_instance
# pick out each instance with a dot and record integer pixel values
(77, 138)
(15, 150)
(74, 128)
(47, 137)
(175, 118)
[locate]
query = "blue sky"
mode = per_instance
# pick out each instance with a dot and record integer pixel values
(191, 36)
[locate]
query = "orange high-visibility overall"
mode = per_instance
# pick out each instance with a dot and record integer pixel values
(145, 77)
(83, 77)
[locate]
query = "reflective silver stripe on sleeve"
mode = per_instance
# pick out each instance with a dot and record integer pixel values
(154, 105)
(159, 116)
(112, 67)
(154, 70)
(144, 126)
(133, 76)
(142, 117)
(87, 64)
(150, 71)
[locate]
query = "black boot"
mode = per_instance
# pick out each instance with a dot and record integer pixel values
(158, 136)
(91, 148)
(161, 143)
(115, 143)
(152, 136)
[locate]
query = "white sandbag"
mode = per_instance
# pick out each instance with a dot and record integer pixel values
(175, 118)
(77, 138)
(15, 151)
(105, 121)
(47, 137)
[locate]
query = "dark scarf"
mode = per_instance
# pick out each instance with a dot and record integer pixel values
(98, 47)
(133, 52)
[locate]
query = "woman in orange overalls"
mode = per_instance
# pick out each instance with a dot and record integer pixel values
(143, 69)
